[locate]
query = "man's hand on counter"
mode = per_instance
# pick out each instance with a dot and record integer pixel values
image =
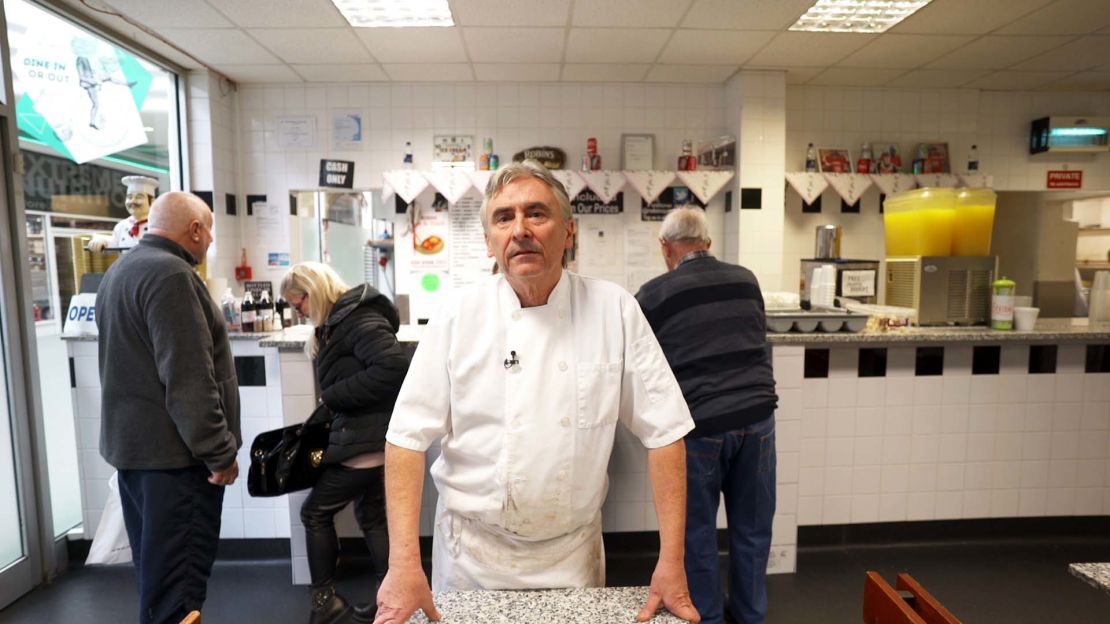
(669, 589)
(403, 591)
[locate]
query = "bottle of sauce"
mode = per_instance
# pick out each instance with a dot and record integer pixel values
(247, 314)
(264, 314)
(811, 159)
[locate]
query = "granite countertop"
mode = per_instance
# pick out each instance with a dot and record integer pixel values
(1046, 330)
(230, 336)
(606, 604)
(1096, 575)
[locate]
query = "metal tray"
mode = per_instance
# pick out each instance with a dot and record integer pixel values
(821, 319)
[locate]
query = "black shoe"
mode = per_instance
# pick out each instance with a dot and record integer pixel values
(328, 607)
(364, 613)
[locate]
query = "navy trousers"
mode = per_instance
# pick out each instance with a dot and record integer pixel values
(173, 524)
(741, 465)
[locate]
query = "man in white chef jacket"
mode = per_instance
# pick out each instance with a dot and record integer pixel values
(140, 194)
(523, 378)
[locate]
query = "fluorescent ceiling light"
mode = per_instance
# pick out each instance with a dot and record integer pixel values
(856, 16)
(395, 13)
(1078, 131)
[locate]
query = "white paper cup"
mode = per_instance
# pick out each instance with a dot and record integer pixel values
(1025, 318)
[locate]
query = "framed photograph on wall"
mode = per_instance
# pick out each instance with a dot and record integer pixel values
(637, 152)
(935, 157)
(834, 160)
(452, 150)
(888, 158)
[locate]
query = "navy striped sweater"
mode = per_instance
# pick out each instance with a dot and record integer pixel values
(708, 316)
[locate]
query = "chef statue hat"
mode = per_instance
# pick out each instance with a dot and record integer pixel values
(140, 184)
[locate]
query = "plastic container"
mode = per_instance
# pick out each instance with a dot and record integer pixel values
(971, 235)
(1002, 304)
(920, 222)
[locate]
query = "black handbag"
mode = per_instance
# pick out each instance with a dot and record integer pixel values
(288, 459)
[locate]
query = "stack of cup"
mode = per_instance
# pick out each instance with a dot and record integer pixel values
(824, 286)
(1098, 308)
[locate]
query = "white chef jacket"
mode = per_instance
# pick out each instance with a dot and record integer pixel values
(121, 234)
(525, 448)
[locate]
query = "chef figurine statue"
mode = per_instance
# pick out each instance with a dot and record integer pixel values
(126, 234)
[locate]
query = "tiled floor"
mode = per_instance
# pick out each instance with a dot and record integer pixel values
(984, 582)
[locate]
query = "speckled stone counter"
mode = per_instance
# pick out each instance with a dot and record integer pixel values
(609, 604)
(255, 336)
(1060, 330)
(287, 340)
(1096, 575)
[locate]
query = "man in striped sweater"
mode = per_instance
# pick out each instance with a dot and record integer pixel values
(708, 316)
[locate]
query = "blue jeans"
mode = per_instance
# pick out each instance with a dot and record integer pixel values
(741, 465)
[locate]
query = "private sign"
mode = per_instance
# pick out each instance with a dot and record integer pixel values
(1065, 179)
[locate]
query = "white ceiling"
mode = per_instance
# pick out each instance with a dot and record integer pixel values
(985, 44)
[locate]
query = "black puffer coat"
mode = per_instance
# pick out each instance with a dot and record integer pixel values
(360, 367)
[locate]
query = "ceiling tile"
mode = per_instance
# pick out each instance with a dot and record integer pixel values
(1064, 17)
(961, 17)
(413, 45)
(937, 78)
(745, 14)
(713, 47)
(1083, 81)
(604, 72)
(516, 72)
(1015, 81)
(903, 51)
(801, 75)
(808, 49)
(521, 45)
(992, 52)
(218, 46)
(615, 45)
(690, 73)
(164, 49)
(1083, 53)
(341, 72)
(171, 13)
(312, 45)
(429, 72)
(281, 13)
(856, 77)
(260, 73)
(629, 13)
(510, 12)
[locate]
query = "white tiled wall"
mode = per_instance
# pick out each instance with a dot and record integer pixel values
(900, 447)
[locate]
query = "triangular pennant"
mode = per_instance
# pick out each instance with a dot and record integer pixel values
(891, 183)
(808, 185)
(850, 186)
(649, 184)
(451, 183)
(572, 182)
(977, 180)
(705, 184)
(944, 180)
(406, 183)
(605, 183)
(479, 179)
(387, 192)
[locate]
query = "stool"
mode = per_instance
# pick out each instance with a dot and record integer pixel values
(883, 605)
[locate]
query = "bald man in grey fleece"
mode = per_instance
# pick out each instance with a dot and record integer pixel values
(169, 406)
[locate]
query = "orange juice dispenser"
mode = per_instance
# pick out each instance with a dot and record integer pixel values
(937, 242)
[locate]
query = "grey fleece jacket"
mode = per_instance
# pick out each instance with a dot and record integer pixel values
(169, 394)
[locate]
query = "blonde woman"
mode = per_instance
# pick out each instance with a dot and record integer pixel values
(359, 370)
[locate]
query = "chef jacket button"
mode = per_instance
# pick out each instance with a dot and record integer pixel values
(562, 366)
(516, 424)
(516, 315)
(565, 422)
(582, 423)
(562, 475)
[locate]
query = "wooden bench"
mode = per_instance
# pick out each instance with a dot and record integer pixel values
(882, 604)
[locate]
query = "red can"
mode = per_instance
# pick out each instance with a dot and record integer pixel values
(591, 145)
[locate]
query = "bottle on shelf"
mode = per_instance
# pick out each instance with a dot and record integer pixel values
(407, 162)
(230, 309)
(919, 158)
(484, 158)
(284, 312)
(247, 313)
(811, 159)
(973, 159)
(264, 313)
(686, 160)
(863, 165)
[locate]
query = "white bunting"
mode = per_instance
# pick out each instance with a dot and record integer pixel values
(387, 191)
(891, 183)
(572, 182)
(451, 183)
(479, 179)
(944, 180)
(850, 186)
(649, 184)
(705, 184)
(406, 183)
(605, 183)
(808, 185)
(977, 180)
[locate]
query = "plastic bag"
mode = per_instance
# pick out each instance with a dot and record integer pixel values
(110, 544)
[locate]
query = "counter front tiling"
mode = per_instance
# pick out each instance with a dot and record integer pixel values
(919, 424)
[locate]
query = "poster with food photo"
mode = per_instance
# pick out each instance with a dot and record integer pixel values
(834, 160)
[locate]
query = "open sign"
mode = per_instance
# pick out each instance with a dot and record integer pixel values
(81, 316)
